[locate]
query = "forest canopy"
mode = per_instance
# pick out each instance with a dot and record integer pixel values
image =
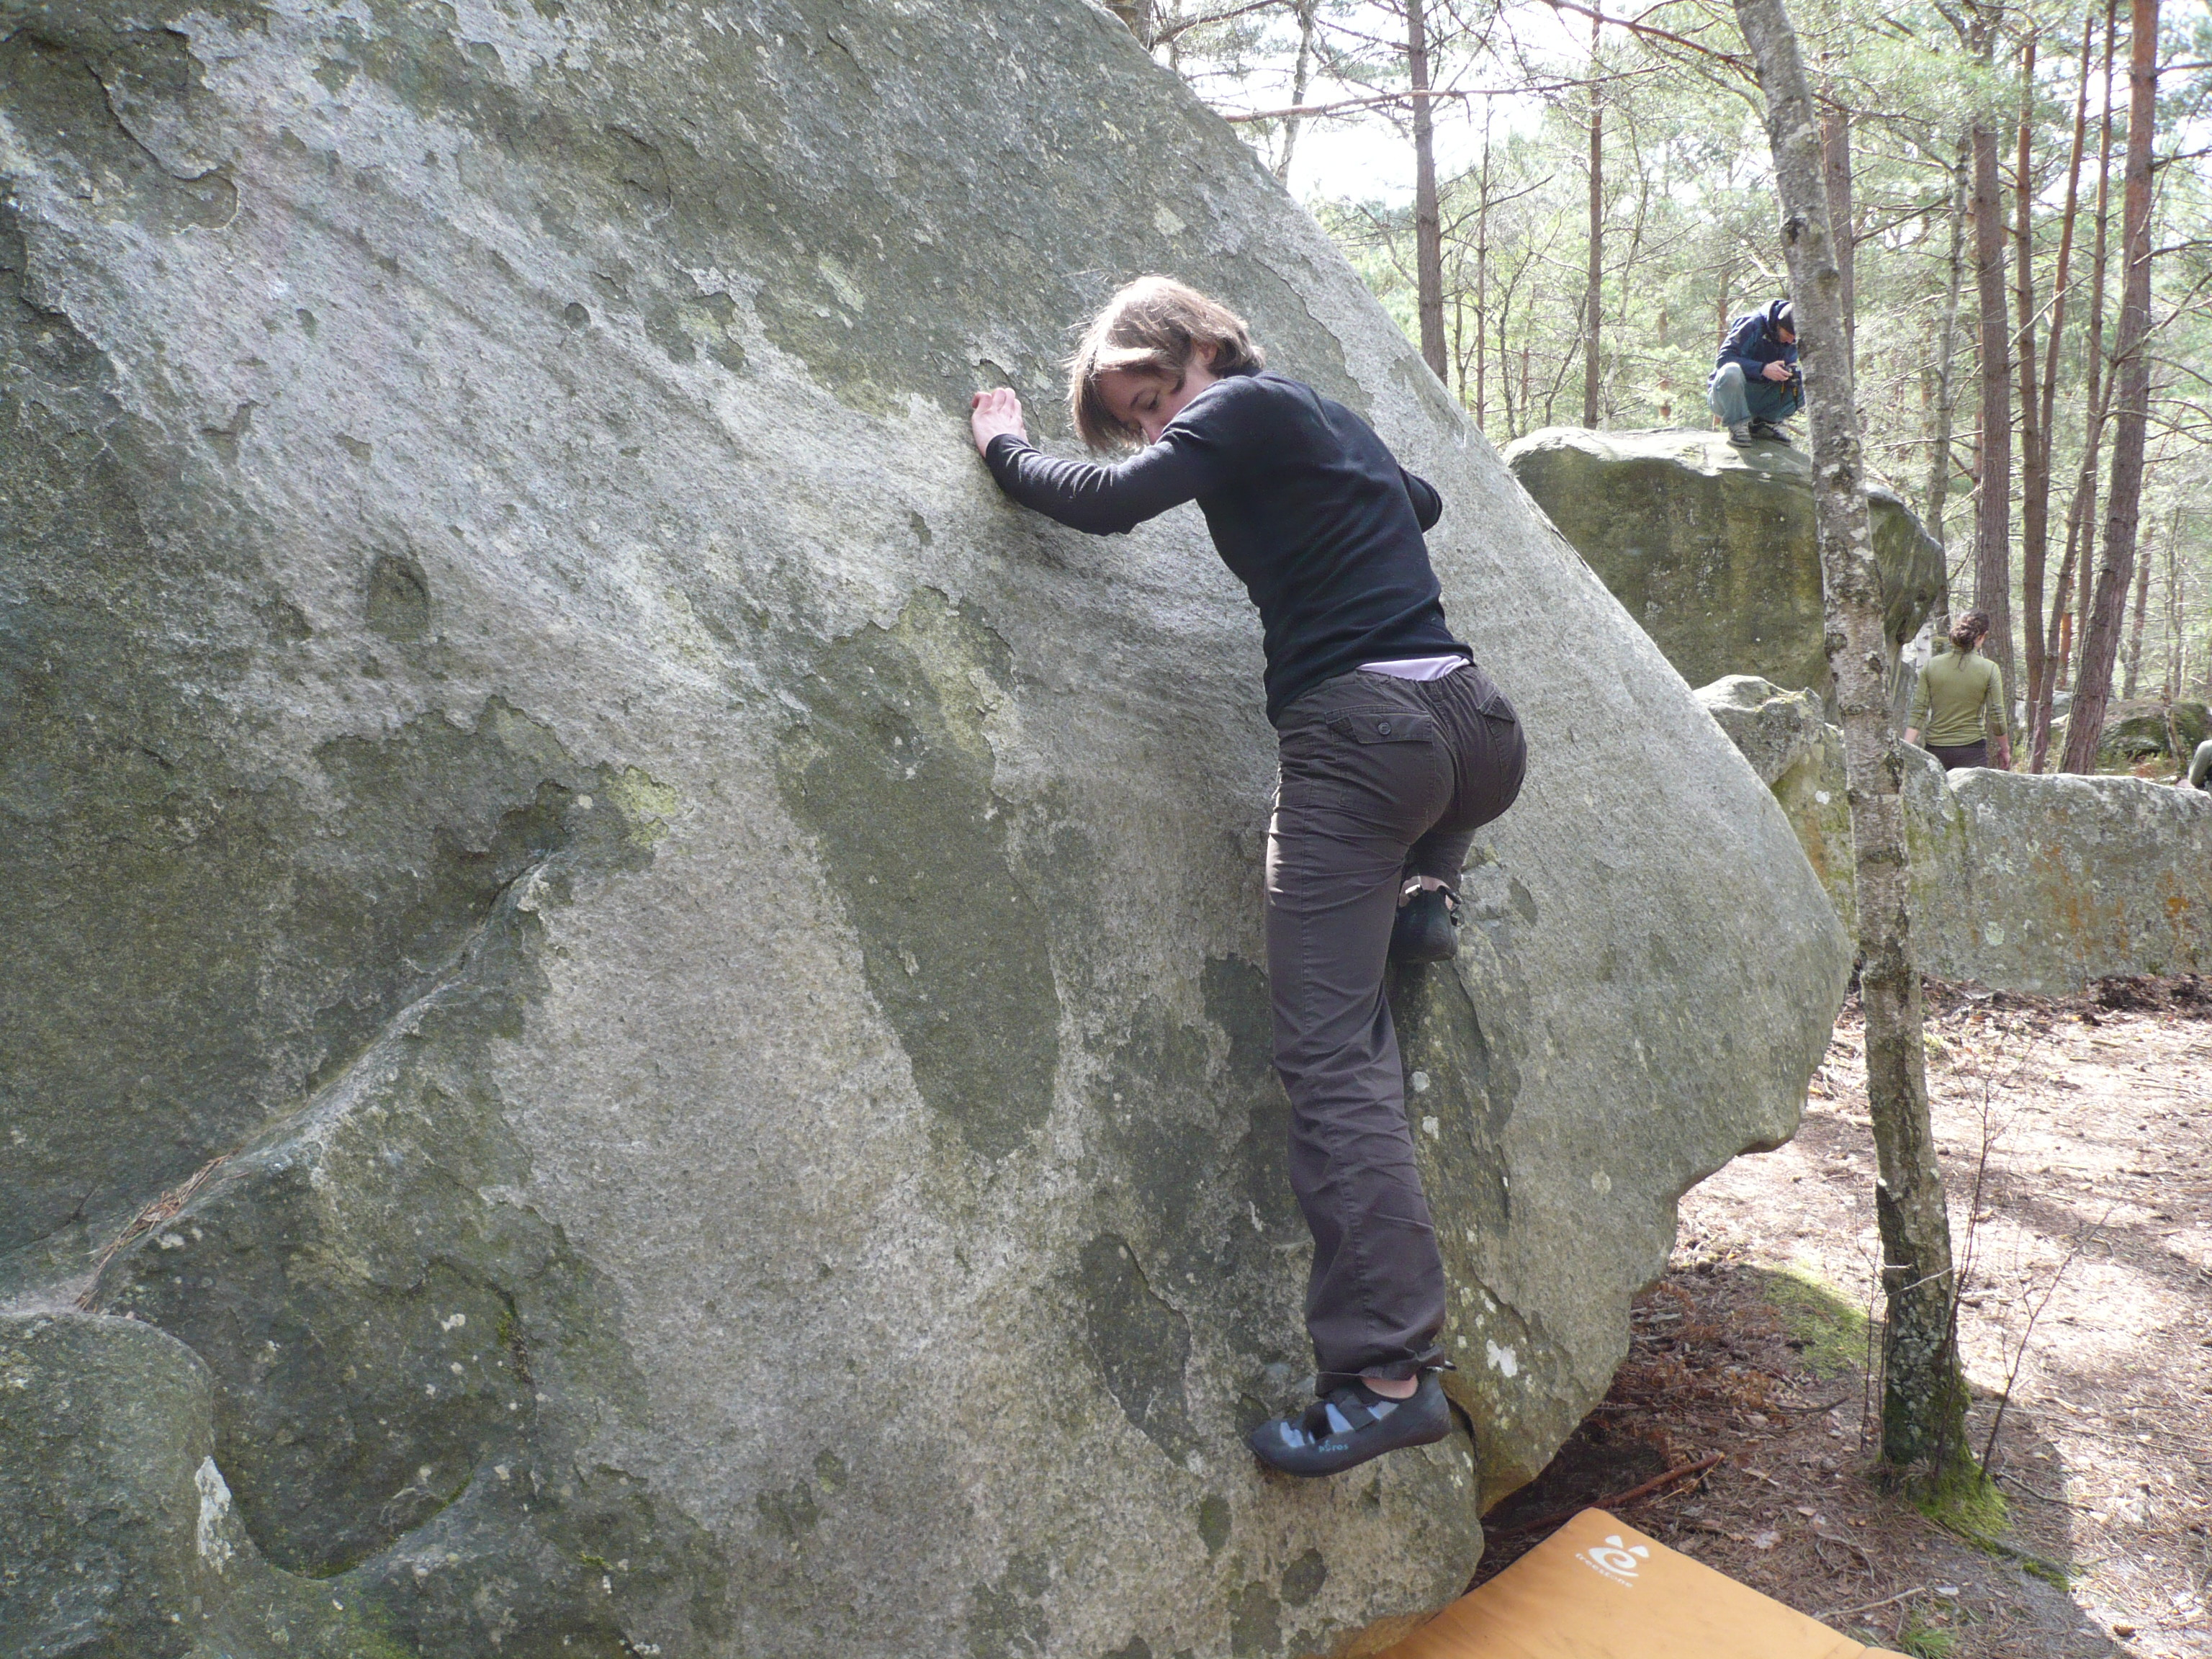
(1593, 199)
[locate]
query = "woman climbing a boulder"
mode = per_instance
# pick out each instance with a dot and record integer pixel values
(1393, 748)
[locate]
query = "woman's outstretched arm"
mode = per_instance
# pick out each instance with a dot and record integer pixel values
(1104, 501)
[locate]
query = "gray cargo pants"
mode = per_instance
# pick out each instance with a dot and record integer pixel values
(1380, 779)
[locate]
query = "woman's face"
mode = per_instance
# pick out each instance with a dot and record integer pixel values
(1149, 401)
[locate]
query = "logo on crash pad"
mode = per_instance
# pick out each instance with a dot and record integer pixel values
(1616, 1559)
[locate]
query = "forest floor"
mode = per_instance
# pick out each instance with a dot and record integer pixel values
(2077, 1139)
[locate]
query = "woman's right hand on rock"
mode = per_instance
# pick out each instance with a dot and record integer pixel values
(991, 413)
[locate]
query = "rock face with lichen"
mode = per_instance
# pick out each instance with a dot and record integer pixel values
(2024, 883)
(633, 1006)
(1711, 547)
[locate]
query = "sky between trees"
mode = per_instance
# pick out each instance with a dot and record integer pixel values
(1686, 221)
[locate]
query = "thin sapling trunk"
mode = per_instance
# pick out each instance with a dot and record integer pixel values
(1924, 1398)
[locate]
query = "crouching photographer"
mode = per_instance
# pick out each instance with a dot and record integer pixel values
(1756, 384)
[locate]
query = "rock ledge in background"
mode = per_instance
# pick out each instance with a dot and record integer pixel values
(2023, 882)
(1711, 547)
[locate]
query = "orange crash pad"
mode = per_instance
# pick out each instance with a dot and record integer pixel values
(1598, 1589)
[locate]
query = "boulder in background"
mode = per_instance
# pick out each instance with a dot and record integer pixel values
(1711, 547)
(2023, 882)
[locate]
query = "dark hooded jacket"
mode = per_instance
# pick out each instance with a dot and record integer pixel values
(1754, 340)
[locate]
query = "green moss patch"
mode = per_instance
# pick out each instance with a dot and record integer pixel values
(1835, 1330)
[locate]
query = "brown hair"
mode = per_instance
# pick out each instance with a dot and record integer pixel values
(1970, 629)
(1154, 326)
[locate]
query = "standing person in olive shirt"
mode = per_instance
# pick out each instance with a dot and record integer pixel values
(1960, 700)
(1394, 749)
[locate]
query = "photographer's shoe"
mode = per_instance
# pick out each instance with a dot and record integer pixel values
(1770, 432)
(1427, 928)
(1350, 1426)
(1740, 434)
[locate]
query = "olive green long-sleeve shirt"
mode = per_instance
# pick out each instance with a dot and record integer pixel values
(1960, 700)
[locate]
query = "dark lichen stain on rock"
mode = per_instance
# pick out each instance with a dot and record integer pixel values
(894, 773)
(1462, 1083)
(398, 599)
(1140, 1345)
(1192, 1130)
(1303, 1578)
(1454, 1078)
(1004, 1620)
(1255, 1623)
(1213, 1522)
(789, 1513)
(1192, 1139)
(73, 90)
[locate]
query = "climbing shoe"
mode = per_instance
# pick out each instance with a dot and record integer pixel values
(1349, 1425)
(1740, 434)
(1427, 928)
(1768, 431)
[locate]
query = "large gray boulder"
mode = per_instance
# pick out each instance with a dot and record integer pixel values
(2024, 882)
(1711, 547)
(2145, 729)
(690, 975)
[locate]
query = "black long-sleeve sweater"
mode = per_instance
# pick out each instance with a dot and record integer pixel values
(1307, 506)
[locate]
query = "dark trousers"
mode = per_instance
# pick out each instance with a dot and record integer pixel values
(1380, 779)
(1954, 756)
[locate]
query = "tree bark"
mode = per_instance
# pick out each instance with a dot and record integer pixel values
(1482, 274)
(2034, 479)
(2134, 634)
(2085, 723)
(1923, 1399)
(2082, 510)
(2177, 638)
(1947, 381)
(1842, 218)
(2057, 639)
(1720, 327)
(1428, 223)
(1593, 314)
(1993, 507)
(1301, 77)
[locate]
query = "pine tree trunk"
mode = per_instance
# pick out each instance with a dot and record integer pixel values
(1428, 221)
(2081, 511)
(1482, 274)
(1842, 218)
(2034, 480)
(1993, 507)
(1721, 328)
(2134, 635)
(1593, 292)
(1946, 382)
(1301, 77)
(2084, 724)
(2056, 640)
(2176, 643)
(1923, 1403)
